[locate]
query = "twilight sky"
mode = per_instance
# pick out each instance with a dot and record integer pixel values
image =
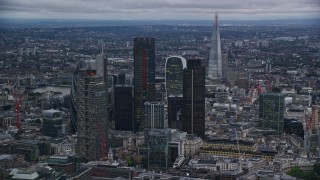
(160, 9)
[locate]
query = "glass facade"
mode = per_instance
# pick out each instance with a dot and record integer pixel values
(144, 77)
(158, 148)
(194, 98)
(174, 75)
(215, 57)
(154, 115)
(271, 110)
(123, 104)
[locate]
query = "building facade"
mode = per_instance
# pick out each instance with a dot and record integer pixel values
(123, 107)
(174, 75)
(144, 77)
(154, 115)
(314, 117)
(215, 57)
(52, 124)
(91, 115)
(175, 104)
(73, 96)
(158, 148)
(271, 111)
(194, 98)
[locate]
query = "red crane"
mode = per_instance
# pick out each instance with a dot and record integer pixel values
(103, 143)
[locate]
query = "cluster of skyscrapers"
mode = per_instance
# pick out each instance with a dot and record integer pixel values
(135, 106)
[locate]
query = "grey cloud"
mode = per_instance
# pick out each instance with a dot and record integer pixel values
(198, 9)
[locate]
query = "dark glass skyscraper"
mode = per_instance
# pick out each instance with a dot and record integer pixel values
(194, 98)
(123, 105)
(271, 110)
(144, 77)
(175, 104)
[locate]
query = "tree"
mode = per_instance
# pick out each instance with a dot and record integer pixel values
(38, 121)
(310, 176)
(131, 162)
(296, 172)
(316, 168)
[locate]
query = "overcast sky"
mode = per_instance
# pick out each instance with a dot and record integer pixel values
(160, 9)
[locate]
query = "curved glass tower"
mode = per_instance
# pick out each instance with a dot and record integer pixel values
(73, 95)
(215, 58)
(174, 75)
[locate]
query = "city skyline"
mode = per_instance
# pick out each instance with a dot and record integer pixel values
(159, 10)
(131, 100)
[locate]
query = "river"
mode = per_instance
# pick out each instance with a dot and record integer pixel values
(63, 90)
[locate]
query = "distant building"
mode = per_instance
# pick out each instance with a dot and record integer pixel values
(3, 98)
(123, 106)
(174, 75)
(175, 104)
(154, 115)
(192, 145)
(271, 111)
(144, 77)
(110, 170)
(293, 126)
(315, 119)
(194, 98)
(28, 148)
(52, 124)
(67, 163)
(231, 148)
(158, 148)
(224, 66)
(121, 79)
(102, 65)
(215, 58)
(62, 148)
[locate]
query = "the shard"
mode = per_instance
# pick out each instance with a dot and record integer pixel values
(215, 59)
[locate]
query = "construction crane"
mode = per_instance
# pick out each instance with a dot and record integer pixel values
(103, 142)
(18, 99)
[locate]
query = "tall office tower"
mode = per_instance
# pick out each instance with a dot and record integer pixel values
(144, 77)
(175, 104)
(174, 75)
(73, 96)
(194, 98)
(91, 115)
(102, 65)
(215, 58)
(123, 105)
(154, 115)
(271, 110)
